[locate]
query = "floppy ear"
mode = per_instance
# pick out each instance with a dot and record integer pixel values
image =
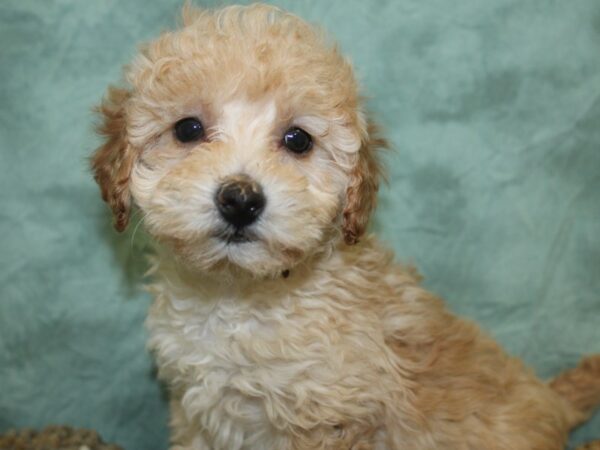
(361, 194)
(112, 162)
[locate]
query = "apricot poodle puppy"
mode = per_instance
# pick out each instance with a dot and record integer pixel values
(242, 141)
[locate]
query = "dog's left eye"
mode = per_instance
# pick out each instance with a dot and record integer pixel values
(297, 140)
(189, 129)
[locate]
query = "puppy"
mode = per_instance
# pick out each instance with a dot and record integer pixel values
(242, 140)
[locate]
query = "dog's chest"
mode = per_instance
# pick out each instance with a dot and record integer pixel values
(302, 357)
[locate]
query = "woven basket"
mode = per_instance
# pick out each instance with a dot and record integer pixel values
(54, 438)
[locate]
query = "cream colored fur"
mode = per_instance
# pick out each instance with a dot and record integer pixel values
(348, 351)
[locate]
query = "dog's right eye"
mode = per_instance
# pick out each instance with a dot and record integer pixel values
(189, 129)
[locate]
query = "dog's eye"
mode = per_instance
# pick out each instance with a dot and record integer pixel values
(189, 129)
(297, 140)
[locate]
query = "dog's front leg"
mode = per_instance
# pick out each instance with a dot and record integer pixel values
(184, 436)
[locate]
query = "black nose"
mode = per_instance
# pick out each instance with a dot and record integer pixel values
(240, 201)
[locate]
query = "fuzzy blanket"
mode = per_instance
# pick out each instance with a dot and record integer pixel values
(493, 108)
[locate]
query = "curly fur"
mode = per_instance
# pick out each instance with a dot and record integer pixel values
(348, 351)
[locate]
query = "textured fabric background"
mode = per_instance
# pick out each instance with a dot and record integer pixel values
(493, 108)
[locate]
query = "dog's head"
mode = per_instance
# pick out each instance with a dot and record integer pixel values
(242, 140)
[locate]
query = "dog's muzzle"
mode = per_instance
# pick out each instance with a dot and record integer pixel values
(240, 201)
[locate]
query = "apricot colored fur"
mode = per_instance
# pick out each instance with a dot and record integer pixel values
(309, 335)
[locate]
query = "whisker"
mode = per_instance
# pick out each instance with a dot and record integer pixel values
(136, 227)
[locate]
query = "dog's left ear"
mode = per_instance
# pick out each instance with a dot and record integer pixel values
(361, 194)
(113, 161)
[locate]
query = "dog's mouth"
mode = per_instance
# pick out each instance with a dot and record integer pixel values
(236, 236)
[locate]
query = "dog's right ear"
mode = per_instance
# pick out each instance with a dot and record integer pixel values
(113, 161)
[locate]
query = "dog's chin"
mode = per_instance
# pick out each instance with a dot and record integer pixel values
(237, 253)
(233, 236)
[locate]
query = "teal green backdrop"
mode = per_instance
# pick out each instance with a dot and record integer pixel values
(493, 108)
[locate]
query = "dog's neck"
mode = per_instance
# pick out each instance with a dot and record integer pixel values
(233, 282)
